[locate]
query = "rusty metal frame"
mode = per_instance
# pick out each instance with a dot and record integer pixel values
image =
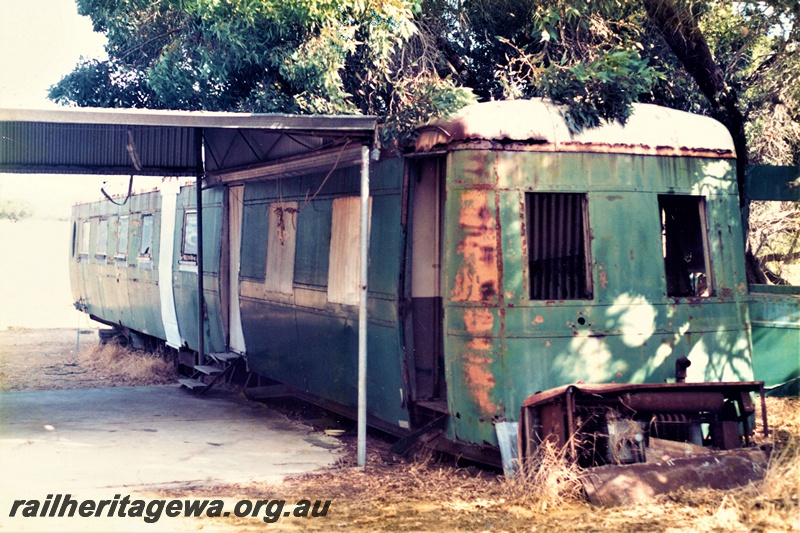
(660, 397)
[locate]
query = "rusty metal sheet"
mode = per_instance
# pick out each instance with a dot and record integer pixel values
(477, 278)
(617, 388)
(640, 483)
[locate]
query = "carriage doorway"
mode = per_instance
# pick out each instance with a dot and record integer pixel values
(427, 204)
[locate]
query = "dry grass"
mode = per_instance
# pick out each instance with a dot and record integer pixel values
(548, 479)
(125, 367)
(425, 495)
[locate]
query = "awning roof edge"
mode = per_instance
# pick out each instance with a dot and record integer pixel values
(192, 119)
(163, 143)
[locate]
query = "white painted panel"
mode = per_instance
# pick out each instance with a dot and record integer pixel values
(281, 243)
(169, 197)
(235, 205)
(345, 253)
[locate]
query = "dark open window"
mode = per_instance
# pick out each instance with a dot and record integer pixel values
(189, 243)
(558, 253)
(684, 239)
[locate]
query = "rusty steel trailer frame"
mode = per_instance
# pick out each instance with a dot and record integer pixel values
(610, 431)
(646, 397)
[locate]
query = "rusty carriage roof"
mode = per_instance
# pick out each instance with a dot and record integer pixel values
(539, 125)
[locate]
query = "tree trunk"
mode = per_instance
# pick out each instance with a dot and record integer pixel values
(682, 34)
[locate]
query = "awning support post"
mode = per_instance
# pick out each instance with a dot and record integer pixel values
(362, 311)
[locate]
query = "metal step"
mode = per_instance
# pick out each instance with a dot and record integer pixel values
(434, 405)
(191, 383)
(207, 369)
(224, 356)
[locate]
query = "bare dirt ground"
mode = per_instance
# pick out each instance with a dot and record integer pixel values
(423, 493)
(62, 358)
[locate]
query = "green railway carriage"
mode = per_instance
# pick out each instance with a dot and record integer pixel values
(506, 257)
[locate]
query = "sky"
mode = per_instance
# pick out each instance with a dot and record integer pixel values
(40, 42)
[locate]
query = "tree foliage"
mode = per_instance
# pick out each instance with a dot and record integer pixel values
(299, 56)
(409, 60)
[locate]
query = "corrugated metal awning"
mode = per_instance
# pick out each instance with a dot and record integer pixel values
(163, 143)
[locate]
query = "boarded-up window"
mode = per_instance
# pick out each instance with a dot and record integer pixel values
(85, 236)
(189, 242)
(558, 254)
(281, 243)
(684, 239)
(102, 237)
(122, 237)
(146, 243)
(345, 255)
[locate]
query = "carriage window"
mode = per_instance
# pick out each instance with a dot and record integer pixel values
(102, 238)
(558, 253)
(189, 243)
(146, 244)
(684, 241)
(345, 252)
(122, 237)
(281, 243)
(85, 235)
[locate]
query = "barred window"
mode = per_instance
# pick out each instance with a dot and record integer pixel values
(558, 250)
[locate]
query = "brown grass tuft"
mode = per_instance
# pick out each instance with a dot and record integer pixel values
(547, 479)
(781, 487)
(125, 366)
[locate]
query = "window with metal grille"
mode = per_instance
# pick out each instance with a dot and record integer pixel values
(684, 240)
(558, 252)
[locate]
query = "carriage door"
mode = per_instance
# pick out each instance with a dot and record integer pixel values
(235, 209)
(426, 211)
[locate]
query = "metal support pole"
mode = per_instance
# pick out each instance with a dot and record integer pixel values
(362, 311)
(201, 348)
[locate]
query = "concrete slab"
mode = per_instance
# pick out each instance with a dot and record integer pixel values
(144, 438)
